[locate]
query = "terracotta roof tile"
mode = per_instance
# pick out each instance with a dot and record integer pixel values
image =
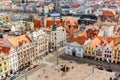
(49, 23)
(79, 39)
(108, 13)
(96, 32)
(4, 49)
(37, 23)
(16, 41)
(83, 34)
(109, 39)
(96, 42)
(112, 44)
(70, 20)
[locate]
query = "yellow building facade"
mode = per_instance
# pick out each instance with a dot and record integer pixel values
(116, 54)
(3, 63)
(89, 50)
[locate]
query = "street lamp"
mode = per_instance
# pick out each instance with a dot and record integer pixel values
(93, 69)
(56, 46)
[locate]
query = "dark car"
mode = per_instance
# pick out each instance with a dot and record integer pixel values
(109, 70)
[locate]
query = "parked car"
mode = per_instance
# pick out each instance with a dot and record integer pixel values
(13, 77)
(109, 70)
(100, 68)
(117, 75)
(30, 68)
(71, 61)
(35, 66)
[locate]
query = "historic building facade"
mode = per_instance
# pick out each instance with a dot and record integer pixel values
(4, 60)
(57, 38)
(116, 54)
(40, 40)
(25, 50)
(74, 49)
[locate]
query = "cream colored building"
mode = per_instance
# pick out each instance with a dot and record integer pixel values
(4, 61)
(57, 38)
(116, 54)
(40, 40)
(25, 50)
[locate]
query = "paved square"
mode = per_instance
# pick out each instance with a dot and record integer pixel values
(79, 72)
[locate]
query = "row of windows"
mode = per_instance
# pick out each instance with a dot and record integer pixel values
(106, 55)
(117, 51)
(3, 63)
(73, 48)
(116, 57)
(116, 54)
(3, 70)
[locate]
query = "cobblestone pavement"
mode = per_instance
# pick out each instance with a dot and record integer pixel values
(114, 67)
(79, 72)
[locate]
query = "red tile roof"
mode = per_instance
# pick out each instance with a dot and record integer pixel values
(49, 23)
(110, 40)
(108, 13)
(96, 42)
(4, 49)
(112, 43)
(79, 39)
(37, 23)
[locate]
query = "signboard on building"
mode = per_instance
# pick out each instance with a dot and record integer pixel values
(55, 14)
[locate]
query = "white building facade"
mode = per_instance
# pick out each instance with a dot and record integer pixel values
(74, 49)
(13, 60)
(99, 53)
(107, 53)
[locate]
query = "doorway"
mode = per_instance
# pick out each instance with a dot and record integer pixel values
(74, 52)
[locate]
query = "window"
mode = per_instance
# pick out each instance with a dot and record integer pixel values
(105, 55)
(2, 58)
(5, 68)
(79, 49)
(0, 70)
(68, 47)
